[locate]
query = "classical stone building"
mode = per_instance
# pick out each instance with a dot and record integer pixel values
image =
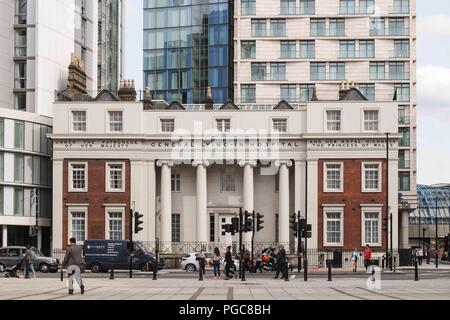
(189, 169)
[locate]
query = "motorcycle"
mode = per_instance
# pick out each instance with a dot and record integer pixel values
(14, 271)
(269, 261)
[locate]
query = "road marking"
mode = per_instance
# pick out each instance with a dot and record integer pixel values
(230, 293)
(197, 294)
(381, 294)
(348, 294)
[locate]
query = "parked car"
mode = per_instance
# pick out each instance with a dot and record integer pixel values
(11, 256)
(104, 255)
(190, 264)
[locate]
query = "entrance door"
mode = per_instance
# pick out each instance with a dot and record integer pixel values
(226, 239)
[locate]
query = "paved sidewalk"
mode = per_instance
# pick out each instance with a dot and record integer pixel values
(253, 289)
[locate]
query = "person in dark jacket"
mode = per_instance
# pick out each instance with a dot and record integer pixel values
(282, 264)
(27, 259)
(72, 261)
(228, 264)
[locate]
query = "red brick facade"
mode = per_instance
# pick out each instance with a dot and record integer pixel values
(352, 196)
(96, 198)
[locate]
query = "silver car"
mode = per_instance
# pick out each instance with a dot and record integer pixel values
(11, 256)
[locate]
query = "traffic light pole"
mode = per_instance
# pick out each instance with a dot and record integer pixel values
(391, 262)
(253, 236)
(131, 243)
(240, 242)
(299, 244)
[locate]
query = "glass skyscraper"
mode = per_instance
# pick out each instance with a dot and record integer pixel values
(188, 47)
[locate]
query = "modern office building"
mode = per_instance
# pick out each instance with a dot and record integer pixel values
(188, 47)
(431, 221)
(110, 44)
(291, 49)
(37, 41)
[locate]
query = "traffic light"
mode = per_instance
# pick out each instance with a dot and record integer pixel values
(138, 222)
(235, 225)
(293, 225)
(259, 222)
(385, 224)
(228, 228)
(302, 224)
(248, 222)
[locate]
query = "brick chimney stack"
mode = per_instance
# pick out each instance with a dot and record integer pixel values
(77, 77)
(209, 102)
(127, 90)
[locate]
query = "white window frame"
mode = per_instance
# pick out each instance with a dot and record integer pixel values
(222, 121)
(227, 171)
(107, 177)
(173, 179)
(333, 209)
(272, 125)
(113, 209)
(341, 123)
(325, 184)
(109, 122)
(363, 176)
(368, 209)
(364, 120)
(72, 122)
(70, 176)
(72, 210)
(160, 125)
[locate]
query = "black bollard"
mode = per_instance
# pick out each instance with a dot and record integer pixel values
(155, 269)
(62, 274)
(329, 271)
(243, 270)
(200, 270)
(111, 276)
(416, 271)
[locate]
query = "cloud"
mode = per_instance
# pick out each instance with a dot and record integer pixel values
(436, 25)
(433, 85)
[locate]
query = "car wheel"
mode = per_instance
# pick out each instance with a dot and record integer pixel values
(2, 267)
(191, 268)
(96, 268)
(43, 267)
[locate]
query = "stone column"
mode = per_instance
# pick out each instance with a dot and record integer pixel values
(166, 204)
(202, 201)
(283, 202)
(39, 238)
(248, 193)
(5, 236)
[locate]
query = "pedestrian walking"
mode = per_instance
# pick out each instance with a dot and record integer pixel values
(420, 256)
(259, 262)
(73, 261)
(229, 264)
(216, 260)
(33, 258)
(27, 261)
(282, 264)
(354, 259)
(367, 257)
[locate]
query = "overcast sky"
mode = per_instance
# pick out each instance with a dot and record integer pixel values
(433, 70)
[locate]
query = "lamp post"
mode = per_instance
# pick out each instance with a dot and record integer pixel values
(387, 198)
(436, 239)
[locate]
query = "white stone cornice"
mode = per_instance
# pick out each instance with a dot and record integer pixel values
(161, 163)
(252, 163)
(204, 163)
(287, 163)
